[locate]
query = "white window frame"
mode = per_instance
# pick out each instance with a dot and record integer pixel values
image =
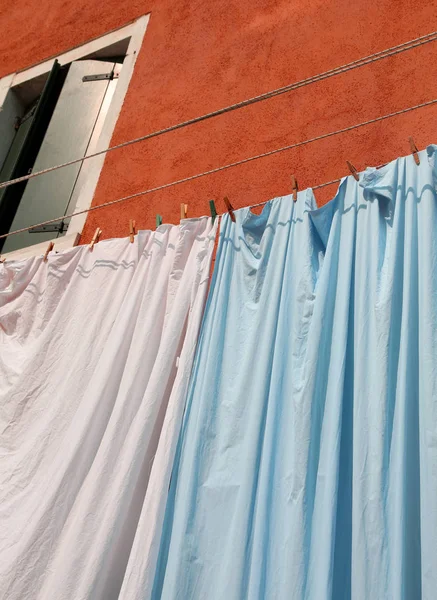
(135, 31)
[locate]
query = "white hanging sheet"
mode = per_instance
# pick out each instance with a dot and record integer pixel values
(96, 350)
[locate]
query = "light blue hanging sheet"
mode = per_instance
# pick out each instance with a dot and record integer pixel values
(307, 462)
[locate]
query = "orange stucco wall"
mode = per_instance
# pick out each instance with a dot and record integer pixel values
(199, 56)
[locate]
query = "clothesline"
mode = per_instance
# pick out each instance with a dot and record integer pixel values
(392, 51)
(228, 166)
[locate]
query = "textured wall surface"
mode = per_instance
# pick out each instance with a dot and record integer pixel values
(200, 56)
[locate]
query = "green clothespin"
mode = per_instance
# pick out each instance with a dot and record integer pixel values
(158, 221)
(213, 210)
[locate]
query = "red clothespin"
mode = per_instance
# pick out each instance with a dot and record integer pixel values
(353, 170)
(131, 231)
(49, 249)
(414, 151)
(98, 232)
(184, 210)
(229, 208)
(294, 187)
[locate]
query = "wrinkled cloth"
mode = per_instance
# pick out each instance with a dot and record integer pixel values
(96, 349)
(307, 462)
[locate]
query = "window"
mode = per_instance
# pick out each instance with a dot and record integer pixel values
(51, 114)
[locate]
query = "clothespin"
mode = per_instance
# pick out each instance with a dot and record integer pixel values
(213, 210)
(184, 209)
(229, 209)
(49, 249)
(353, 170)
(158, 221)
(294, 187)
(131, 231)
(414, 151)
(98, 232)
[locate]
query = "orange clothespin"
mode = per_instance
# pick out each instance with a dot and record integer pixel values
(49, 249)
(229, 209)
(414, 151)
(131, 231)
(294, 187)
(184, 211)
(98, 232)
(353, 170)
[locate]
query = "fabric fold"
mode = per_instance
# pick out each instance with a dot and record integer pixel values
(97, 348)
(306, 465)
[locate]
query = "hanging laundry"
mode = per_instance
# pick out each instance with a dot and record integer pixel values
(95, 356)
(307, 463)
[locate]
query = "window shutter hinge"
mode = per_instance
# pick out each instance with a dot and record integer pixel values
(51, 228)
(101, 77)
